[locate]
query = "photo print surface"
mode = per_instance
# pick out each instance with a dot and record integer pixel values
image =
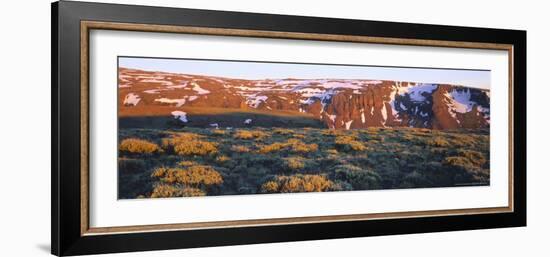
(193, 127)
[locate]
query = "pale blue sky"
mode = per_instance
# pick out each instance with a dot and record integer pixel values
(261, 70)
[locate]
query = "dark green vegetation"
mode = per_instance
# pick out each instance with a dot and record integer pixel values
(227, 117)
(198, 162)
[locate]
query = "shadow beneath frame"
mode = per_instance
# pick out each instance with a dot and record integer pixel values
(44, 247)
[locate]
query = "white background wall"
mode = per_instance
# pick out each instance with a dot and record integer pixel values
(25, 127)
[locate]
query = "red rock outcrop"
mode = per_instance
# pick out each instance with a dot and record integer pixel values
(339, 104)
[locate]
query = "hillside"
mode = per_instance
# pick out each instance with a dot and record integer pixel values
(205, 161)
(167, 99)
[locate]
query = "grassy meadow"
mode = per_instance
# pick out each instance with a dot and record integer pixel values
(189, 161)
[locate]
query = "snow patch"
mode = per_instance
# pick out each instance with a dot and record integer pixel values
(131, 99)
(255, 100)
(199, 89)
(182, 116)
(340, 84)
(416, 93)
(157, 81)
(147, 76)
(308, 101)
(348, 124)
(125, 76)
(177, 86)
(485, 112)
(373, 82)
(392, 103)
(311, 92)
(384, 113)
(178, 102)
(152, 91)
(461, 100)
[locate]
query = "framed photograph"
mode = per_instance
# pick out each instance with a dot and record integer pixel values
(178, 128)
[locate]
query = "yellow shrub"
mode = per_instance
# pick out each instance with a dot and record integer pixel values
(179, 138)
(373, 129)
(304, 148)
(187, 163)
(475, 157)
(332, 151)
(409, 137)
(457, 161)
(163, 190)
(194, 175)
(294, 163)
(222, 158)
(333, 132)
(243, 134)
(293, 141)
(134, 145)
(219, 132)
(283, 131)
(249, 134)
(159, 172)
(189, 144)
(438, 141)
(270, 187)
(344, 139)
(240, 149)
(272, 148)
(297, 183)
(195, 148)
(299, 136)
(463, 140)
(190, 191)
(349, 143)
(294, 144)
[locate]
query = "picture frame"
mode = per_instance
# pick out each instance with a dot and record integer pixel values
(72, 23)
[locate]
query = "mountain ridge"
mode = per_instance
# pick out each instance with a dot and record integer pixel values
(337, 103)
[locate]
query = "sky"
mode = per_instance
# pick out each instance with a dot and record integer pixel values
(264, 70)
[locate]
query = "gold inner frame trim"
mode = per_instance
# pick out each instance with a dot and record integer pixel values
(86, 26)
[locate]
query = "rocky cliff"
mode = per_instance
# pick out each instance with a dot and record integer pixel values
(338, 103)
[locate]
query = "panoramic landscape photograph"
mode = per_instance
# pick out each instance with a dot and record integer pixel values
(193, 127)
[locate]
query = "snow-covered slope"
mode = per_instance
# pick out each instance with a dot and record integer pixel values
(338, 103)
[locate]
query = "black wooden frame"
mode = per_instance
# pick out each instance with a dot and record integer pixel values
(66, 232)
